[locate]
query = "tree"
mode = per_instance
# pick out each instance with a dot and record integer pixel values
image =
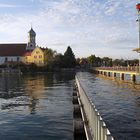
(119, 62)
(98, 61)
(91, 59)
(49, 55)
(78, 61)
(58, 60)
(106, 61)
(69, 58)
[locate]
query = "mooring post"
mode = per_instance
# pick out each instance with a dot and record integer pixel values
(133, 78)
(121, 76)
(114, 75)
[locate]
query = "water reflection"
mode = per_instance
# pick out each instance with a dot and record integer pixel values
(117, 102)
(36, 103)
(34, 90)
(33, 105)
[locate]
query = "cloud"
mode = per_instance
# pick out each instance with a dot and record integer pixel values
(2, 5)
(112, 7)
(92, 25)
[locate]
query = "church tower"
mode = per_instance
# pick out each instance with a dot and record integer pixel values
(31, 40)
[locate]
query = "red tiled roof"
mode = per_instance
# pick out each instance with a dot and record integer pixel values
(12, 49)
(27, 53)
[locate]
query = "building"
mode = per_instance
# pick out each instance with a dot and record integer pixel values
(26, 53)
(37, 56)
(11, 53)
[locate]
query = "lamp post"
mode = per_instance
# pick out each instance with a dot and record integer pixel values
(138, 10)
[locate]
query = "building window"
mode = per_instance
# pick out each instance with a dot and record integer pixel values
(37, 52)
(17, 59)
(40, 62)
(6, 59)
(40, 56)
(35, 56)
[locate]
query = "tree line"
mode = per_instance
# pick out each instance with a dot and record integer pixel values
(68, 60)
(58, 60)
(55, 61)
(94, 61)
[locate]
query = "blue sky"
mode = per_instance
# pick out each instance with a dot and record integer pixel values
(100, 27)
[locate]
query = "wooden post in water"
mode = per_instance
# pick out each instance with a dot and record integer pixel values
(104, 73)
(121, 76)
(114, 75)
(133, 78)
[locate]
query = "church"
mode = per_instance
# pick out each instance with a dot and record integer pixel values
(22, 52)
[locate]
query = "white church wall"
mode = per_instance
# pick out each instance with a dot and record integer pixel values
(2, 60)
(10, 58)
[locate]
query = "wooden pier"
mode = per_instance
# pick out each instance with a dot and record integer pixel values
(120, 71)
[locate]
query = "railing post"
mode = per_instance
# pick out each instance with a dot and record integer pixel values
(98, 118)
(96, 126)
(109, 137)
(101, 129)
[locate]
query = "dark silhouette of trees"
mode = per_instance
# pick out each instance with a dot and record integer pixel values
(50, 54)
(106, 61)
(69, 58)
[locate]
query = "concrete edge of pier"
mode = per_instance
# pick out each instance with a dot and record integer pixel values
(88, 122)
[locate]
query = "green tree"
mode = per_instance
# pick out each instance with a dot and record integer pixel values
(106, 61)
(50, 54)
(58, 60)
(78, 61)
(118, 62)
(98, 61)
(69, 58)
(91, 59)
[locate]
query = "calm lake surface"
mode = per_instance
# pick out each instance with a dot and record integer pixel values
(118, 104)
(36, 107)
(39, 107)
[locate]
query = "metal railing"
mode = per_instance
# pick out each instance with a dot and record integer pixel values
(120, 68)
(97, 126)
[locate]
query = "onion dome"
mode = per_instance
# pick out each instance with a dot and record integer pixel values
(138, 6)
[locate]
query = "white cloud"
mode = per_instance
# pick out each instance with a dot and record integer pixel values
(90, 26)
(2, 5)
(112, 8)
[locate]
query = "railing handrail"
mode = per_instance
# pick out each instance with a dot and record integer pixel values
(120, 68)
(98, 128)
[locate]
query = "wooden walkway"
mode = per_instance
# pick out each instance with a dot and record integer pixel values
(122, 71)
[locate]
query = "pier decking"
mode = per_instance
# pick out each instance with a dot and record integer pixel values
(122, 71)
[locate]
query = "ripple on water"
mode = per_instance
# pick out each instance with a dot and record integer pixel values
(117, 102)
(36, 107)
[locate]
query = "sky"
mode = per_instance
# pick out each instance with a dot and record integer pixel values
(100, 27)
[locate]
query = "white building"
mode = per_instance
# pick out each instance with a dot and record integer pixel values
(15, 52)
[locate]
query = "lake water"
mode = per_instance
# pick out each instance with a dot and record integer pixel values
(39, 107)
(36, 107)
(118, 104)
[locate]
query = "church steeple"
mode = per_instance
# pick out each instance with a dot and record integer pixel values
(31, 39)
